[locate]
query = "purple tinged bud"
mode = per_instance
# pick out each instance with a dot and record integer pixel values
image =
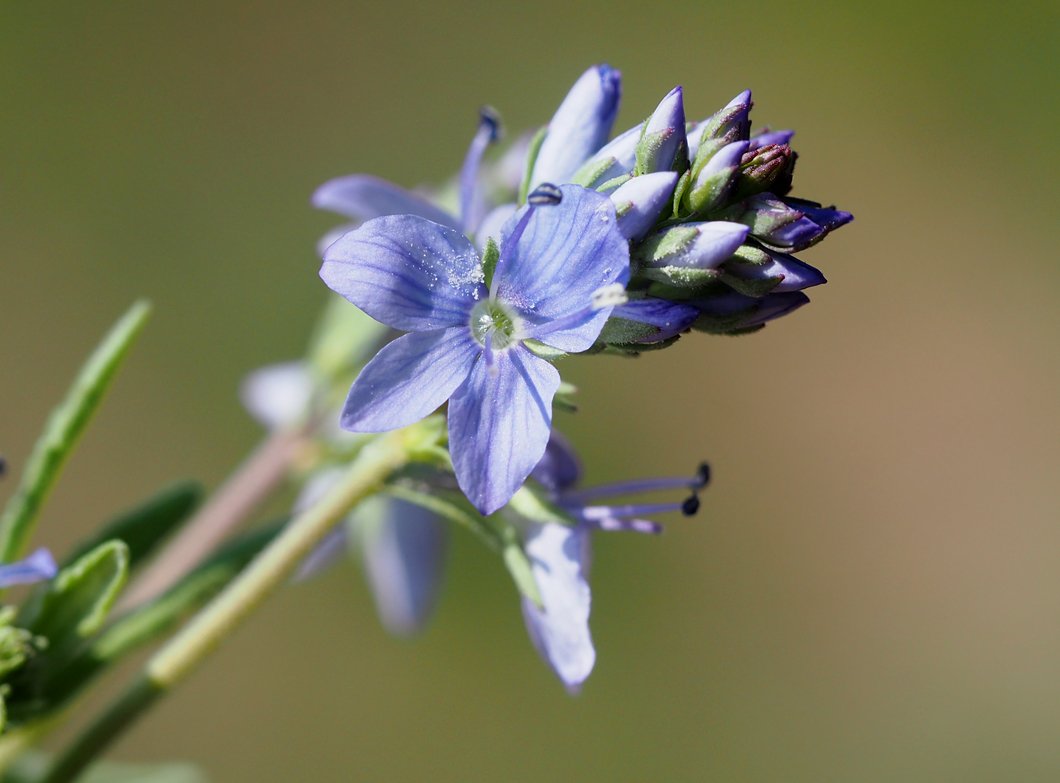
(766, 138)
(765, 169)
(790, 225)
(641, 200)
(667, 319)
(731, 312)
(730, 124)
(663, 146)
(779, 274)
(580, 125)
(693, 245)
(714, 174)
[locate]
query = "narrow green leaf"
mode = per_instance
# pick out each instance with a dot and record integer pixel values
(32, 765)
(146, 526)
(62, 430)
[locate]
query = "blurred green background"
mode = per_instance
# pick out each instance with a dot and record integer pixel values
(872, 591)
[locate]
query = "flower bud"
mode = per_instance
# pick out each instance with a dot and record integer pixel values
(580, 125)
(662, 145)
(692, 245)
(755, 272)
(640, 202)
(713, 175)
(733, 313)
(730, 124)
(764, 169)
(790, 224)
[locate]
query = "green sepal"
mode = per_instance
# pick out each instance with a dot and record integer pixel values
(531, 160)
(75, 603)
(490, 256)
(452, 506)
(533, 504)
(614, 183)
(647, 150)
(589, 174)
(344, 339)
(682, 276)
(63, 429)
(522, 573)
(30, 767)
(16, 644)
(546, 352)
(564, 399)
(755, 288)
(622, 332)
(661, 245)
(680, 188)
(146, 526)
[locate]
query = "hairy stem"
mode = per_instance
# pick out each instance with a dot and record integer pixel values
(218, 619)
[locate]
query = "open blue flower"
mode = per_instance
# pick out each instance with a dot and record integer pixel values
(562, 266)
(560, 555)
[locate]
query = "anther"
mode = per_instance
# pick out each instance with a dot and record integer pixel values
(489, 118)
(3, 467)
(690, 506)
(702, 475)
(545, 194)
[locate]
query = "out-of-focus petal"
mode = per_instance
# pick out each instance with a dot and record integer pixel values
(559, 556)
(406, 272)
(403, 546)
(408, 379)
(37, 567)
(363, 197)
(278, 395)
(499, 423)
(560, 468)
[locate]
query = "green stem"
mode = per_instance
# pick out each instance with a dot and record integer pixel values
(207, 629)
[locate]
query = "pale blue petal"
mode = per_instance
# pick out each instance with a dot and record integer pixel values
(621, 151)
(668, 123)
(409, 379)
(363, 197)
(580, 126)
(560, 468)
(499, 422)
(713, 243)
(406, 272)
(403, 546)
(566, 253)
(493, 223)
(640, 202)
(331, 236)
(38, 567)
(559, 556)
(278, 395)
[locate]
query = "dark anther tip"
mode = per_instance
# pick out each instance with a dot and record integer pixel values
(544, 194)
(3, 467)
(690, 506)
(489, 117)
(702, 475)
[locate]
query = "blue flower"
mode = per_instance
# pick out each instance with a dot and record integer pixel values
(38, 567)
(560, 554)
(562, 266)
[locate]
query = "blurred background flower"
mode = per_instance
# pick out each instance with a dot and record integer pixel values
(870, 591)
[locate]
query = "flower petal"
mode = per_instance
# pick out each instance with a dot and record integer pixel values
(566, 253)
(363, 197)
(409, 379)
(560, 468)
(38, 567)
(668, 318)
(580, 126)
(403, 546)
(559, 556)
(639, 202)
(499, 422)
(406, 272)
(277, 395)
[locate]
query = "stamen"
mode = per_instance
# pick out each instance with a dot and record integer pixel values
(691, 505)
(471, 206)
(703, 475)
(626, 525)
(597, 513)
(545, 194)
(3, 467)
(631, 488)
(605, 296)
